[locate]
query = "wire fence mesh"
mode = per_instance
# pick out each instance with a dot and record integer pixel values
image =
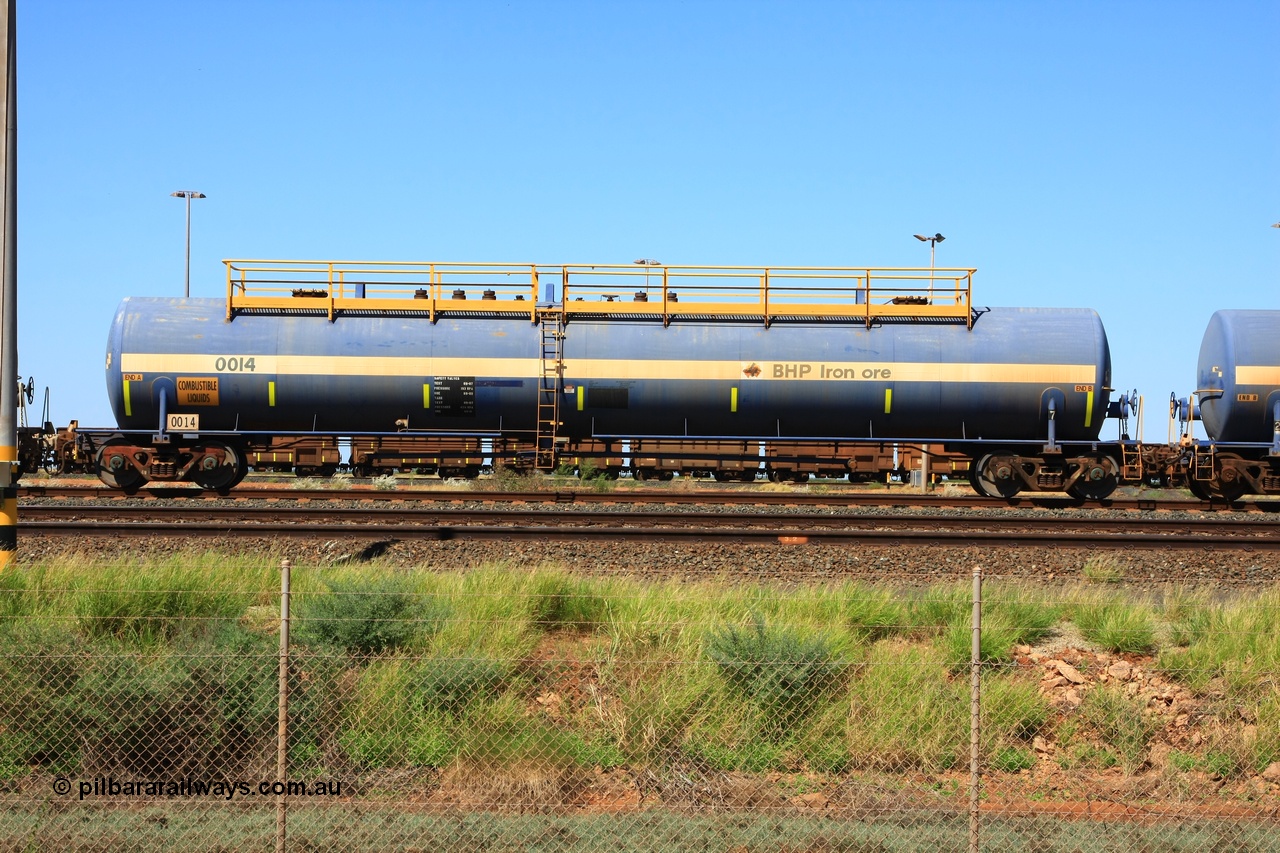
(535, 710)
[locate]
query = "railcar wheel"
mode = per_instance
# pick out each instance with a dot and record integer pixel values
(994, 478)
(113, 467)
(1227, 483)
(1199, 488)
(209, 473)
(242, 470)
(1097, 481)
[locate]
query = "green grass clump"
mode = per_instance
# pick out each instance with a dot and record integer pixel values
(1013, 711)
(381, 719)
(1236, 645)
(367, 617)
(40, 670)
(1266, 740)
(1009, 619)
(1113, 623)
(559, 600)
(451, 685)
(872, 614)
(157, 711)
(905, 714)
(784, 673)
(156, 603)
(1011, 759)
(15, 601)
(1188, 616)
(1029, 617)
(938, 607)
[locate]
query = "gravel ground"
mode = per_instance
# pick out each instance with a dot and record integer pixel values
(783, 563)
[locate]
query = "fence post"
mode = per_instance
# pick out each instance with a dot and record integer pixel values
(282, 718)
(975, 710)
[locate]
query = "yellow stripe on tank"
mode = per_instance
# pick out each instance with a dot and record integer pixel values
(1088, 408)
(426, 395)
(733, 399)
(338, 365)
(271, 393)
(582, 397)
(888, 400)
(128, 403)
(1268, 374)
(639, 369)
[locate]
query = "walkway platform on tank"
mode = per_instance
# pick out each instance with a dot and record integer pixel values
(643, 290)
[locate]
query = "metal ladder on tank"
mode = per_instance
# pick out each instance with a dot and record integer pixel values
(551, 323)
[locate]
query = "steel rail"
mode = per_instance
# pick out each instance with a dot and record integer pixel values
(758, 536)
(248, 518)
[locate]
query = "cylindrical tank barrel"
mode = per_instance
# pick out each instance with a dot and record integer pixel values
(1238, 375)
(621, 377)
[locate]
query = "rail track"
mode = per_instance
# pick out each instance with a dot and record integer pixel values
(719, 497)
(213, 519)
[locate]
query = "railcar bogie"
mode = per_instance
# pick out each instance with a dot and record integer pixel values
(129, 462)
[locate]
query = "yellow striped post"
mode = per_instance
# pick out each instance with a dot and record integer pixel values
(8, 505)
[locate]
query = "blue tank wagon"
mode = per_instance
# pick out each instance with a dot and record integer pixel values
(1238, 388)
(714, 354)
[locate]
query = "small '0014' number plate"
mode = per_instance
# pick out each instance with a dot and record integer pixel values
(183, 423)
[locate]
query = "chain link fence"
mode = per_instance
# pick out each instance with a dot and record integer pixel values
(535, 710)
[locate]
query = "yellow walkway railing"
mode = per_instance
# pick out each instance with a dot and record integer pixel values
(865, 294)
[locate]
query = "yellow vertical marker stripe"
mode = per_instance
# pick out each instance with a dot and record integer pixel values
(271, 393)
(128, 404)
(733, 399)
(1088, 408)
(426, 395)
(582, 397)
(888, 400)
(8, 505)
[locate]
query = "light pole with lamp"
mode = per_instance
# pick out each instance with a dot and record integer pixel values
(925, 457)
(646, 263)
(188, 195)
(933, 245)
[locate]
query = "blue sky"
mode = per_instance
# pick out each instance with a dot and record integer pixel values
(1118, 156)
